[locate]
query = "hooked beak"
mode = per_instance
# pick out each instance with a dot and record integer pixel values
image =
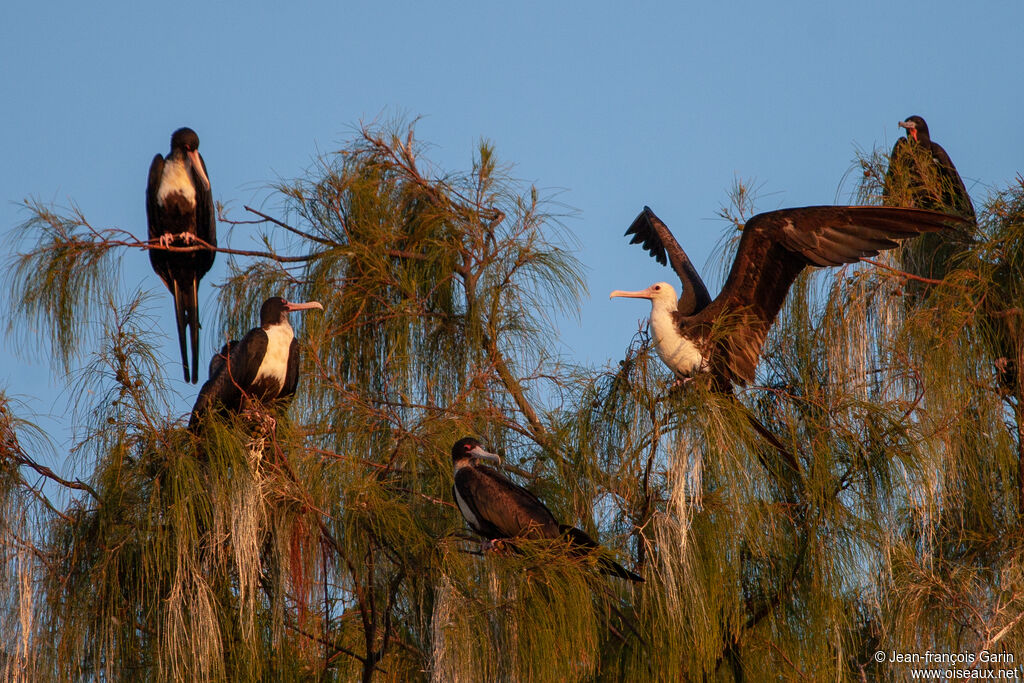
(197, 164)
(479, 452)
(642, 294)
(289, 306)
(911, 128)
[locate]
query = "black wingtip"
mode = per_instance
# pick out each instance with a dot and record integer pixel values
(643, 231)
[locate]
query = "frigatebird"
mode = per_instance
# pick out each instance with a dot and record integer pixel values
(724, 336)
(498, 509)
(179, 206)
(263, 366)
(922, 175)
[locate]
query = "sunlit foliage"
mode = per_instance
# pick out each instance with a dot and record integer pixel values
(327, 545)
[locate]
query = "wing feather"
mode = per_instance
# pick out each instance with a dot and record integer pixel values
(206, 222)
(291, 378)
(655, 237)
(510, 509)
(774, 249)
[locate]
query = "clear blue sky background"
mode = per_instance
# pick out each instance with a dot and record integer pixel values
(613, 105)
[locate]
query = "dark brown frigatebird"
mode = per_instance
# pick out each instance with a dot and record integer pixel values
(179, 206)
(724, 336)
(263, 366)
(922, 175)
(499, 509)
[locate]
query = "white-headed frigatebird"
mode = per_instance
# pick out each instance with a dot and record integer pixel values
(695, 334)
(263, 366)
(179, 207)
(499, 509)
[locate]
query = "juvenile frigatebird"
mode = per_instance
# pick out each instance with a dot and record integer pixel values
(724, 336)
(498, 509)
(179, 206)
(922, 175)
(263, 366)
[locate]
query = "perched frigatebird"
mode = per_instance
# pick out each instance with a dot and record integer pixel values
(921, 174)
(724, 336)
(179, 206)
(498, 509)
(263, 366)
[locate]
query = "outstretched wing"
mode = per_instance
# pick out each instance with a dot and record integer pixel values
(775, 247)
(651, 232)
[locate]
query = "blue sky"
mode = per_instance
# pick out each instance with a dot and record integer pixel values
(608, 105)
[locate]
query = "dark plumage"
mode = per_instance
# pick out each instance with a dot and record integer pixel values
(263, 366)
(220, 358)
(179, 208)
(497, 508)
(724, 336)
(921, 174)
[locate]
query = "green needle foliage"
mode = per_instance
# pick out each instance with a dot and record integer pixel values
(324, 544)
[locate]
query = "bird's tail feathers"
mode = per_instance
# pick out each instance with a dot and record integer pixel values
(606, 565)
(788, 456)
(181, 318)
(193, 322)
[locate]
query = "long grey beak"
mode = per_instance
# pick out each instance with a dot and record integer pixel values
(197, 164)
(479, 452)
(301, 307)
(909, 125)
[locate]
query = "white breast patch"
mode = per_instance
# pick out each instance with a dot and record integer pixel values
(176, 180)
(675, 350)
(275, 360)
(466, 511)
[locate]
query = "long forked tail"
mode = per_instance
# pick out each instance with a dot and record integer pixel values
(789, 458)
(580, 539)
(181, 318)
(193, 323)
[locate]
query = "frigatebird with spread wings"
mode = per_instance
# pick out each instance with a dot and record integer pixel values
(724, 335)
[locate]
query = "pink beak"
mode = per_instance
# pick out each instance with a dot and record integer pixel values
(642, 294)
(289, 306)
(197, 164)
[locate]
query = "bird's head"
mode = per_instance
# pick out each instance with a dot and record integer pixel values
(185, 141)
(467, 449)
(276, 309)
(917, 129)
(661, 295)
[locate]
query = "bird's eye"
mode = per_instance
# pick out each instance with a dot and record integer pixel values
(657, 288)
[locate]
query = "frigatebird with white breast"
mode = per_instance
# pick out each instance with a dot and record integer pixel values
(499, 509)
(695, 334)
(179, 208)
(262, 367)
